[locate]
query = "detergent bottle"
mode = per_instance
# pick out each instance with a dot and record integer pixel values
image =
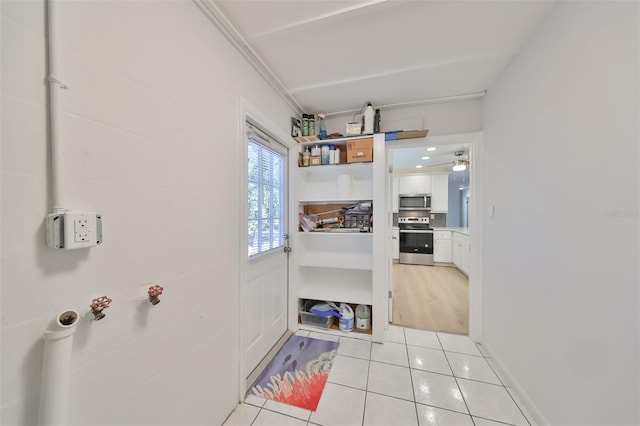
(346, 322)
(363, 317)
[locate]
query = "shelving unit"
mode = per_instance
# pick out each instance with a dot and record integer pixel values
(340, 266)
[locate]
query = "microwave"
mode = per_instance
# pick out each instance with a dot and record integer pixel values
(414, 202)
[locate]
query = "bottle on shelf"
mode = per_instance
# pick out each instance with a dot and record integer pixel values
(346, 320)
(363, 317)
(322, 127)
(305, 125)
(312, 124)
(306, 156)
(324, 153)
(368, 119)
(376, 122)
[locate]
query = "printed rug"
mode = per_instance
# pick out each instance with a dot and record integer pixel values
(297, 375)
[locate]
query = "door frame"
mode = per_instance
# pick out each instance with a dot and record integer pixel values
(475, 217)
(250, 113)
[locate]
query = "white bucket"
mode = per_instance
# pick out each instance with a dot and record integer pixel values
(346, 322)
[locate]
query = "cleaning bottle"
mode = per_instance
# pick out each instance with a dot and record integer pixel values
(363, 317)
(346, 322)
(322, 127)
(369, 114)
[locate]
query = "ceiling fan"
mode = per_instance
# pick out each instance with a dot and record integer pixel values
(459, 164)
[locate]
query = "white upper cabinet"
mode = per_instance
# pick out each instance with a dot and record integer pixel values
(440, 193)
(414, 184)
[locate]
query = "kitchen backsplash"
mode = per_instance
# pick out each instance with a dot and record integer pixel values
(438, 220)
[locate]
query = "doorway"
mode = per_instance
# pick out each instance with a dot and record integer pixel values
(264, 260)
(434, 298)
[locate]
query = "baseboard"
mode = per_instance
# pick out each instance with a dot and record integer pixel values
(526, 404)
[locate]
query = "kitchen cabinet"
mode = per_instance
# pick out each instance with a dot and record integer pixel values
(396, 243)
(340, 264)
(414, 184)
(442, 247)
(461, 251)
(440, 193)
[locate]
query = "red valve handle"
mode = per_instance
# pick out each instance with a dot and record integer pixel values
(100, 303)
(155, 291)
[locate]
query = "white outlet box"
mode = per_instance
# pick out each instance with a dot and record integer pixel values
(72, 230)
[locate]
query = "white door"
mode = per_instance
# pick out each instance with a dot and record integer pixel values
(264, 293)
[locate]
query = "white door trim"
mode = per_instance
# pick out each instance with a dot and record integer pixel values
(248, 113)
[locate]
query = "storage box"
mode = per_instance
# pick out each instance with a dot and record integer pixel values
(315, 161)
(353, 129)
(360, 150)
(308, 318)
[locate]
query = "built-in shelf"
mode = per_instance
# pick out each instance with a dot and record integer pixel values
(339, 265)
(341, 285)
(353, 261)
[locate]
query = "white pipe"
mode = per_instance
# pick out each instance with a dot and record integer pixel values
(55, 85)
(56, 367)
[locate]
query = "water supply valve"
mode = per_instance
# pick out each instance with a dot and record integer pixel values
(98, 305)
(154, 292)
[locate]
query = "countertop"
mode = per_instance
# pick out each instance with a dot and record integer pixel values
(452, 228)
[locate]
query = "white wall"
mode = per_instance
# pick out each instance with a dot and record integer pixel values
(150, 127)
(447, 118)
(561, 257)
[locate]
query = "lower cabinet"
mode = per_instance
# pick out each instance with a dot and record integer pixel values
(442, 247)
(461, 252)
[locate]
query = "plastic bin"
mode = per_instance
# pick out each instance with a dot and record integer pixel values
(316, 320)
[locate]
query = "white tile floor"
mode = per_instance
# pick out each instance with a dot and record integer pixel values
(416, 378)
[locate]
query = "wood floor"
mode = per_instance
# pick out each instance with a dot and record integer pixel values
(432, 298)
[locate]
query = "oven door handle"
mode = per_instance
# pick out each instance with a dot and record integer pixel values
(414, 231)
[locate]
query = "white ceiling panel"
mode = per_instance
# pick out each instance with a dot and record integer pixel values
(334, 55)
(404, 86)
(258, 17)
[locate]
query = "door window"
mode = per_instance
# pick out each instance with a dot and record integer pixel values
(266, 198)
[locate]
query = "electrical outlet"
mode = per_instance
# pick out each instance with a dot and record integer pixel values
(80, 230)
(83, 231)
(72, 230)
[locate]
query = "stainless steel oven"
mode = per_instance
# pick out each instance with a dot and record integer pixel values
(416, 241)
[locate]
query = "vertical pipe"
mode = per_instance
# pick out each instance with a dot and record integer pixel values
(55, 86)
(54, 391)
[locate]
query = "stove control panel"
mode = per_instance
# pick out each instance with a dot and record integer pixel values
(417, 220)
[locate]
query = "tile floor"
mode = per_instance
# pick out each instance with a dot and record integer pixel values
(415, 378)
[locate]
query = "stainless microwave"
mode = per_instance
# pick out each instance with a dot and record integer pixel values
(414, 202)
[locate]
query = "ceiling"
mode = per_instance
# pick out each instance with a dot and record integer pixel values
(332, 56)
(441, 159)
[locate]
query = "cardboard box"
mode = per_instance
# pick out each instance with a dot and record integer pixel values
(315, 161)
(360, 150)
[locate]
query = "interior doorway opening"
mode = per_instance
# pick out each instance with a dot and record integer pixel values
(432, 297)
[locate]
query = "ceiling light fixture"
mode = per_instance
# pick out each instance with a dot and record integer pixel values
(459, 164)
(419, 166)
(425, 158)
(431, 148)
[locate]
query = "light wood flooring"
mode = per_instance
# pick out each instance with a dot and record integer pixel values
(432, 298)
